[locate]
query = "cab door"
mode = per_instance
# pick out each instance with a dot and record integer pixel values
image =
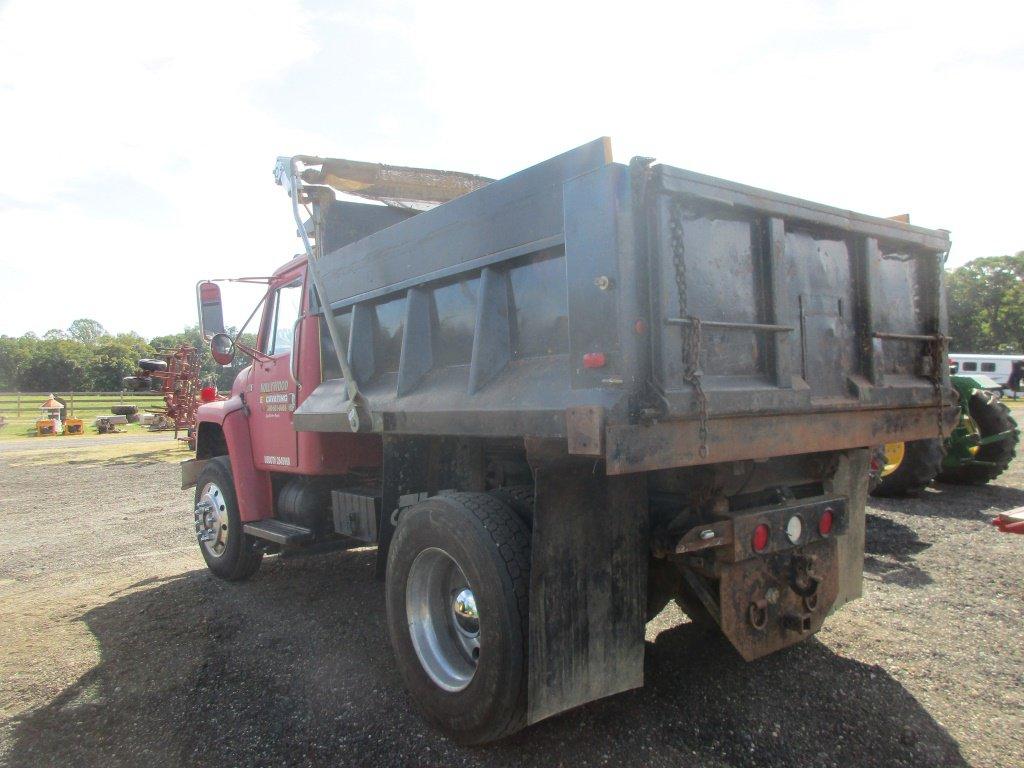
(273, 391)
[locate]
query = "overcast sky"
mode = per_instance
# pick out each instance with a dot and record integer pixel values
(138, 138)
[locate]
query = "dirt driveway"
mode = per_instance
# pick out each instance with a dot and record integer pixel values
(119, 650)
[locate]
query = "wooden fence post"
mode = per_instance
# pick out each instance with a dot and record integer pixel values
(19, 405)
(71, 405)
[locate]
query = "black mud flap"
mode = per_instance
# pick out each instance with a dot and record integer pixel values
(768, 603)
(588, 587)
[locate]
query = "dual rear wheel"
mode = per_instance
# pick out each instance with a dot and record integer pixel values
(457, 601)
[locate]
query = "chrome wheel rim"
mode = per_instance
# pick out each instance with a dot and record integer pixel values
(212, 523)
(444, 624)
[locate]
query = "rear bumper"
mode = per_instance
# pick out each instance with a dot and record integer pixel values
(779, 594)
(639, 448)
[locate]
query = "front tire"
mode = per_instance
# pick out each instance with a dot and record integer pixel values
(230, 553)
(457, 609)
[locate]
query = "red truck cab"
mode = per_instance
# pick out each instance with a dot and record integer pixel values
(254, 425)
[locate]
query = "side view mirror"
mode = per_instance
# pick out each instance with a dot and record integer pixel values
(222, 349)
(211, 313)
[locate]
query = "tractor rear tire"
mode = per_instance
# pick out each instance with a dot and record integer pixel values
(922, 461)
(992, 417)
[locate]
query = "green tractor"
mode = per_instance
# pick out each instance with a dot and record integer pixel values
(979, 449)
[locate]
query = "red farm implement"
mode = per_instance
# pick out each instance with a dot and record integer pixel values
(174, 373)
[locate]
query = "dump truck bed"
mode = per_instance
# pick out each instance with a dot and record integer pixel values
(649, 315)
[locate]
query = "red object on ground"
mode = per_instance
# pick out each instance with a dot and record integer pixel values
(1011, 521)
(208, 394)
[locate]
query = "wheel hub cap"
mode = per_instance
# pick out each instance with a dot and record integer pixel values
(467, 620)
(211, 515)
(894, 453)
(444, 624)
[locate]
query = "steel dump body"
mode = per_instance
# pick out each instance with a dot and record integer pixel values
(614, 306)
(571, 396)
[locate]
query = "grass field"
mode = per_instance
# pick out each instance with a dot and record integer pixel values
(89, 405)
(81, 405)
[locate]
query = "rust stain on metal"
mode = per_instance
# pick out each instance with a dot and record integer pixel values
(768, 603)
(396, 185)
(632, 448)
(716, 534)
(584, 427)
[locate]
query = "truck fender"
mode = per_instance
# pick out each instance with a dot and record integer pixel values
(224, 428)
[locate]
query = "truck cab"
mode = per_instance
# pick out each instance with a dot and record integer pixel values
(288, 363)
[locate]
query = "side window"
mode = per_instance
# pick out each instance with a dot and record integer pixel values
(969, 367)
(988, 367)
(284, 307)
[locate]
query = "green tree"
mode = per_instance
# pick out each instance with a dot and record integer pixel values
(86, 331)
(55, 365)
(210, 372)
(114, 358)
(14, 354)
(985, 298)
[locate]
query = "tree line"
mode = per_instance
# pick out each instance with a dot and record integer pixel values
(985, 300)
(85, 358)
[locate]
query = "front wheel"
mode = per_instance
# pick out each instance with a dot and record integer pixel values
(457, 609)
(230, 553)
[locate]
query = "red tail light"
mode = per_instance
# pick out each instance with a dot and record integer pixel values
(825, 522)
(760, 539)
(208, 394)
(594, 360)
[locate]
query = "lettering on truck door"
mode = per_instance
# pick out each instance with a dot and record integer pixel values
(272, 399)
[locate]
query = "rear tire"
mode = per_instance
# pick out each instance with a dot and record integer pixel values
(153, 365)
(234, 555)
(485, 547)
(518, 498)
(922, 461)
(992, 416)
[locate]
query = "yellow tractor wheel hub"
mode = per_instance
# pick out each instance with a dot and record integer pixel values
(894, 453)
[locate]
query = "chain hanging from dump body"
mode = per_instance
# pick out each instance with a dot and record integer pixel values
(691, 331)
(939, 356)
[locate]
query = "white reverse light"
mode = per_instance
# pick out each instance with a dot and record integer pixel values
(794, 527)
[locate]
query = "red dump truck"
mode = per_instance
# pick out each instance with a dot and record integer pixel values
(557, 401)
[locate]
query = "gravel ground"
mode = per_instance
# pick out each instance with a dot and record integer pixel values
(119, 649)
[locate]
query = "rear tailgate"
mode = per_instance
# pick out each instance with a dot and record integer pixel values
(769, 304)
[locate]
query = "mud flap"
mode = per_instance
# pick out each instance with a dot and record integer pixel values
(588, 586)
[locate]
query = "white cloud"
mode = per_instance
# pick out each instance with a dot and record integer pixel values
(139, 138)
(136, 160)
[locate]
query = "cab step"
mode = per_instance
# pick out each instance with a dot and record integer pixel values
(279, 532)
